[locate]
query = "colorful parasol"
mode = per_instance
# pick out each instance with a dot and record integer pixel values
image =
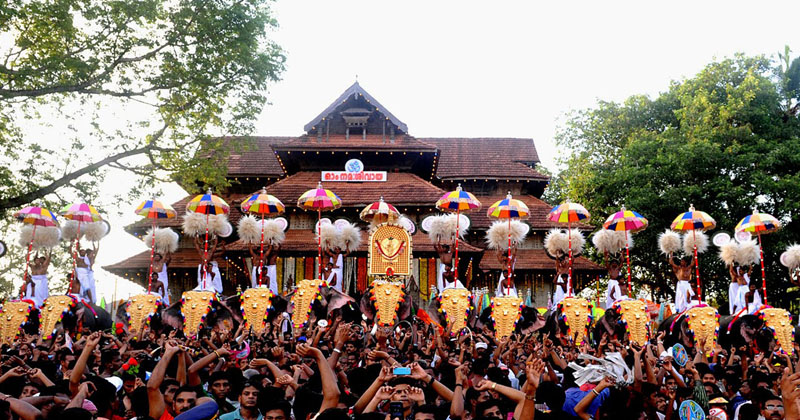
(508, 208)
(265, 205)
(380, 212)
(456, 202)
(759, 223)
(207, 204)
(694, 220)
(35, 216)
(81, 213)
(153, 209)
(628, 221)
(319, 199)
(569, 213)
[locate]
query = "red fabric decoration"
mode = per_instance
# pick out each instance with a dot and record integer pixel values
(361, 274)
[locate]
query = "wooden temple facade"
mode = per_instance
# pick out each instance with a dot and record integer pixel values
(417, 172)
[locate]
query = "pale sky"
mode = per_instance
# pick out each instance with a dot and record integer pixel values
(497, 68)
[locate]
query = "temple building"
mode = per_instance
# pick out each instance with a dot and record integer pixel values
(409, 172)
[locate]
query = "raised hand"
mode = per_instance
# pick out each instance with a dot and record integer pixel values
(416, 395)
(483, 385)
(417, 372)
(284, 380)
(384, 393)
(533, 373)
(385, 375)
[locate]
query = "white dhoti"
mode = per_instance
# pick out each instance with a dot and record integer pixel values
(164, 279)
(254, 276)
(207, 282)
(456, 284)
(86, 280)
(613, 293)
(753, 306)
(40, 292)
(440, 277)
(682, 290)
(504, 290)
(733, 294)
(272, 272)
(558, 293)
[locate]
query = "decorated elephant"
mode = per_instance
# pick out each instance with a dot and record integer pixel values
(66, 313)
(217, 314)
(769, 330)
(570, 322)
(696, 325)
(529, 320)
(386, 302)
(609, 325)
(626, 321)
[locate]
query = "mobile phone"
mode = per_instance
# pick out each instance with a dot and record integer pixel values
(396, 409)
(399, 371)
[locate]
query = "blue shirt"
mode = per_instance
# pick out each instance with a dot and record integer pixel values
(236, 415)
(575, 395)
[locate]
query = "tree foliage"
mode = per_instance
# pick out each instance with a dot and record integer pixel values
(96, 87)
(178, 72)
(726, 140)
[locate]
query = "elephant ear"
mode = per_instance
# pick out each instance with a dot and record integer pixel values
(234, 305)
(173, 317)
(336, 299)
(406, 308)
(367, 307)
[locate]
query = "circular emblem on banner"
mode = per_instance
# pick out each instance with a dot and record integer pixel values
(690, 410)
(679, 354)
(354, 166)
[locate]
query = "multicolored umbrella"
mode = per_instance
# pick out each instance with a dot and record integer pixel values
(36, 216)
(456, 202)
(319, 199)
(694, 220)
(81, 212)
(569, 213)
(759, 223)
(628, 221)
(153, 209)
(380, 212)
(265, 205)
(508, 208)
(208, 204)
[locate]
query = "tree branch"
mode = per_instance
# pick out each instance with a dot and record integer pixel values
(13, 202)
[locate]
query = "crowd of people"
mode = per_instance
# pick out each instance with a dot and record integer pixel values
(336, 371)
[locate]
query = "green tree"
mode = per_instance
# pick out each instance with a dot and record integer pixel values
(91, 87)
(722, 140)
(187, 68)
